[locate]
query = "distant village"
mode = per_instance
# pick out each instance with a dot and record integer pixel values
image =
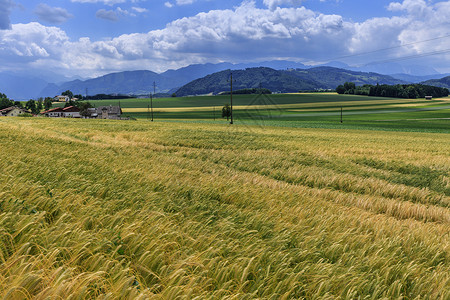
(71, 110)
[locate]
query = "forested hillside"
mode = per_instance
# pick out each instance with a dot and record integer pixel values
(444, 82)
(285, 81)
(276, 81)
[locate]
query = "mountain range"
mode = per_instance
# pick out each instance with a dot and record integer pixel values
(33, 85)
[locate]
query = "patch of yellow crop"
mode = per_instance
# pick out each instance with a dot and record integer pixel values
(365, 106)
(348, 104)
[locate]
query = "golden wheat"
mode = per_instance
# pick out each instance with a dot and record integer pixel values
(108, 209)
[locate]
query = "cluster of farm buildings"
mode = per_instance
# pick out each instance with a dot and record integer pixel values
(101, 112)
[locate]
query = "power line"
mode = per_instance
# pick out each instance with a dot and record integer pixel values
(409, 57)
(391, 48)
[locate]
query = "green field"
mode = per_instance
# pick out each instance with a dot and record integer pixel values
(317, 110)
(189, 209)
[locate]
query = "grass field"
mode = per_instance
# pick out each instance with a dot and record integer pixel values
(317, 110)
(184, 210)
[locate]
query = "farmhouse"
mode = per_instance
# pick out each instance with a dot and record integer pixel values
(109, 112)
(71, 112)
(62, 98)
(13, 111)
(105, 112)
(54, 113)
(59, 112)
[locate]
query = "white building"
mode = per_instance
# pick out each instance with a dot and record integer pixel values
(62, 98)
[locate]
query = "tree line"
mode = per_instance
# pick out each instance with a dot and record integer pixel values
(35, 106)
(408, 91)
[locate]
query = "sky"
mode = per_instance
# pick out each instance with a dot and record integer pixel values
(89, 38)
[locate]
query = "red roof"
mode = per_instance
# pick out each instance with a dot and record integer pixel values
(71, 109)
(58, 109)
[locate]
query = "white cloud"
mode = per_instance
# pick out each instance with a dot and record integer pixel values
(273, 4)
(108, 2)
(108, 15)
(54, 15)
(418, 8)
(178, 2)
(125, 12)
(24, 44)
(139, 9)
(185, 2)
(5, 10)
(113, 15)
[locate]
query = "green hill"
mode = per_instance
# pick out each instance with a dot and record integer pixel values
(330, 77)
(285, 81)
(276, 81)
(443, 82)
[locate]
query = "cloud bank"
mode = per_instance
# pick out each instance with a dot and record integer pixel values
(245, 33)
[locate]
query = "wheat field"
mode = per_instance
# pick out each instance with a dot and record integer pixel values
(171, 210)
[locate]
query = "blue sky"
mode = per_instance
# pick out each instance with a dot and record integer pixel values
(154, 15)
(93, 37)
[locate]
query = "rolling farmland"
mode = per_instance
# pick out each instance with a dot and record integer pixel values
(317, 110)
(138, 209)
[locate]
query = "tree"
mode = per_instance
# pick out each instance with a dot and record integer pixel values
(31, 105)
(48, 102)
(84, 106)
(340, 89)
(5, 102)
(68, 93)
(226, 111)
(70, 103)
(412, 93)
(349, 86)
(40, 104)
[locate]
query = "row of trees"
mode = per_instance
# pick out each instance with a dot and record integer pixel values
(35, 106)
(350, 88)
(409, 91)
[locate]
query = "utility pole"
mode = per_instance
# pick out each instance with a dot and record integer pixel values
(341, 115)
(231, 97)
(151, 97)
(214, 112)
(86, 93)
(151, 104)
